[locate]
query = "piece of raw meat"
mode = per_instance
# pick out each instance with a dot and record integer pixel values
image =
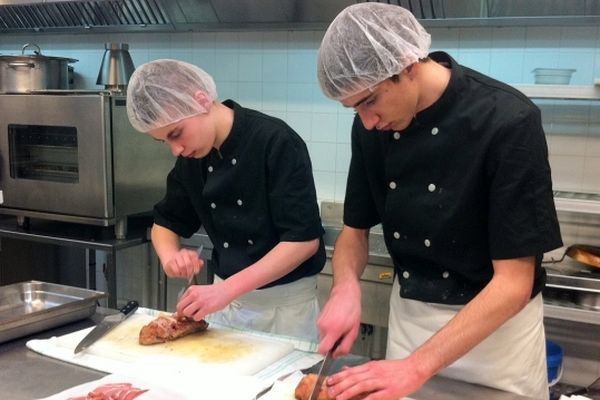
(112, 391)
(166, 328)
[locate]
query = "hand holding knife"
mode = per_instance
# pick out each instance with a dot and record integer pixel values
(192, 280)
(324, 371)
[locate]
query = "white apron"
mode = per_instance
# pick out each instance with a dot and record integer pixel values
(290, 309)
(513, 358)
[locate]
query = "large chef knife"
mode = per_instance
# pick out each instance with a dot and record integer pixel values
(106, 325)
(323, 371)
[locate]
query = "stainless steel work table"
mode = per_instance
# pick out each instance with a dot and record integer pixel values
(88, 237)
(26, 375)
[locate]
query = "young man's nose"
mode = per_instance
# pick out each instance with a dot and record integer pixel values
(369, 119)
(176, 149)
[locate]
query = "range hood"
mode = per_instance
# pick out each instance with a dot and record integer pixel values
(55, 16)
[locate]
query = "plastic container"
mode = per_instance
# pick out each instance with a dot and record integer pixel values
(554, 358)
(553, 76)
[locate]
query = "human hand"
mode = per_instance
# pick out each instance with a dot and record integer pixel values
(340, 318)
(199, 300)
(185, 263)
(385, 379)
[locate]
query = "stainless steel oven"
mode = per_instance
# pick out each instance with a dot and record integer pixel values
(73, 156)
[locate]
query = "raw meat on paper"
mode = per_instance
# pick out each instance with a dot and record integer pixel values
(112, 391)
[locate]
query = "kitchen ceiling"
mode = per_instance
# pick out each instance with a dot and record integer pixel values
(92, 16)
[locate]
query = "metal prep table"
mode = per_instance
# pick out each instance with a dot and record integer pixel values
(91, 238)
(26, 375)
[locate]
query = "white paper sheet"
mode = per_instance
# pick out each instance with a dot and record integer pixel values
(172, 388)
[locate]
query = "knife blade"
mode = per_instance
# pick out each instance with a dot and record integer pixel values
(323, 371)
(106, 325)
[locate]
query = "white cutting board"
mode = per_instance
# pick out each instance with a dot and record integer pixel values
(217, 348)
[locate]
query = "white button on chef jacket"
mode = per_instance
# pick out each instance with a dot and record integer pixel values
(225, 244)
(435, 131)
(239, 202)
(392, 185)
(396, 135)
(250, 241)
(446, 274)
(397, 235)
(210, 168)
(427, 242)
(213, 205)
(406, 275)
(233, 161)
(431, 187)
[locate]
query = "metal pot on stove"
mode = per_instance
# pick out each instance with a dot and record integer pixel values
(27, 72)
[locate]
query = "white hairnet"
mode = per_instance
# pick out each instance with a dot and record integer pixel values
(367, 43)
(161, 92)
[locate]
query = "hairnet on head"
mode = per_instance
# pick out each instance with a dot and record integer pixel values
(161, 92)
(367, 43)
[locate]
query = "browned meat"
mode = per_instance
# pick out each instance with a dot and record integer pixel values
(167, 328)
(306, 384)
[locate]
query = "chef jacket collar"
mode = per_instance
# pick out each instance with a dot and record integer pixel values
(436, 111)
(232, 141)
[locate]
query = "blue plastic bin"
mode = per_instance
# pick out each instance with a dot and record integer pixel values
(554, 358)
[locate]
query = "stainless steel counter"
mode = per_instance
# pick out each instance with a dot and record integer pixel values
(26, 375)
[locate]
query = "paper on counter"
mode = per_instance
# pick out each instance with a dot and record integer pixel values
(154, 392)
(163, 387)
(284, 389)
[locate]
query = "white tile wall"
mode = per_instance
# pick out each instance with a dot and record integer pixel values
(274, 71)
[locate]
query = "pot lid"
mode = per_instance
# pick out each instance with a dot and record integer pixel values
(36, 56)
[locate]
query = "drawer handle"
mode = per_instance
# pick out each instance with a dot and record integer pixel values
(385, 276)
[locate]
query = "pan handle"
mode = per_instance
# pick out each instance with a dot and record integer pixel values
(552, 260)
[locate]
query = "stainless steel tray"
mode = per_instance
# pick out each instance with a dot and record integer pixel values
(34, 306)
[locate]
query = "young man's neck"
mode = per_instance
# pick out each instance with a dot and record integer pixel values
(224, 122)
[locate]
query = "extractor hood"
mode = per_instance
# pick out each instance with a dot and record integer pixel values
(55, 16)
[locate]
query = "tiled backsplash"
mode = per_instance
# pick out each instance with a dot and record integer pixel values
(274, 72)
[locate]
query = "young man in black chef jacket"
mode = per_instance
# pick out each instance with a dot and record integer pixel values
(454, 165)
(246, 178)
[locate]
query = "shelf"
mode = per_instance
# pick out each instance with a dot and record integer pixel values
(571, 314)
(567, 92)
(585, 203)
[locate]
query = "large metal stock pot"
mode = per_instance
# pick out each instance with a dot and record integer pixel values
(21, 74)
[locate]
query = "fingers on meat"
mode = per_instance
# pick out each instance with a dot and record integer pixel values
(305, 387)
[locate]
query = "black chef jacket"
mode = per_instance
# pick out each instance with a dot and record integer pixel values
(257, 191)
(467, 182)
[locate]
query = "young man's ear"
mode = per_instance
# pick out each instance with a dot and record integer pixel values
(203, 99)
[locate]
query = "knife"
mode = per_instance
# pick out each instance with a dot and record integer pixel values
(323, 371)
(106, 325)
(192, 280)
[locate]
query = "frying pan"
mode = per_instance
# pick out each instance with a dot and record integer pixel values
(584, 253)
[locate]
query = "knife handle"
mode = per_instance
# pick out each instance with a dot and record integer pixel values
(129, 308)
